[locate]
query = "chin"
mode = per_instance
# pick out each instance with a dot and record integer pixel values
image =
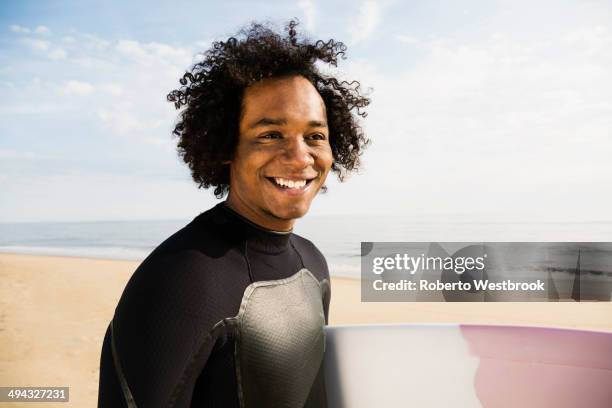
(291, 213)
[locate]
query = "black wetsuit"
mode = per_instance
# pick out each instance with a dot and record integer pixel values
(177, 343)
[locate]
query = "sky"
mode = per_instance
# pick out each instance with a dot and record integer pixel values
(484, 110)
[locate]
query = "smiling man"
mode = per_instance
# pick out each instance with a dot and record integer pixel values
(229, 311)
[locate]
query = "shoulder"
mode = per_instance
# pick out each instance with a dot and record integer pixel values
(313, 258)
(198, 243)
(181, 272)
(202, 236)
(186, 252)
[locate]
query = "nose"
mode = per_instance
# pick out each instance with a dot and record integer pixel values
(298, 154)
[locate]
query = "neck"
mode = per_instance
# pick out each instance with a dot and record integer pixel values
(268, 223)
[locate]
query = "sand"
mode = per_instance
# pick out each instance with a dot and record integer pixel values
(54, 312)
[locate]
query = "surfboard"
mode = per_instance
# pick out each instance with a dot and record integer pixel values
(467, 366)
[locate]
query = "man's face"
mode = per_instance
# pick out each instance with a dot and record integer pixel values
(283, 154)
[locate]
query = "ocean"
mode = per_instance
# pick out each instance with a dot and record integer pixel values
(338, 237)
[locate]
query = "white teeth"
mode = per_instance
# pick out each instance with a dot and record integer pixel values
(290, 183)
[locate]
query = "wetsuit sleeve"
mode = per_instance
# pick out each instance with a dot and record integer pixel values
(160, 334)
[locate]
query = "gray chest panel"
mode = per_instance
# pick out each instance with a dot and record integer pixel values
(281, 340)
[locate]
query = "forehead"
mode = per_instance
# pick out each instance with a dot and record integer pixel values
(291, 98)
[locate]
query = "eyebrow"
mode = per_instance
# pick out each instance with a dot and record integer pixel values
(270, 121)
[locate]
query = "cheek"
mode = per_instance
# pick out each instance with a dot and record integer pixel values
(241, 173)
(326, 159)
(246, 162)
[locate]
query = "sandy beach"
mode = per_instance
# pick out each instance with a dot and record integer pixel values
(54, 312)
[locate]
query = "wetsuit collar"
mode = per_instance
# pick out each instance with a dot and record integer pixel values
(258, 238)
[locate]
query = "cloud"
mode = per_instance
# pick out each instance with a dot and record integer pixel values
(129, 79)
(144, 54)
(121, 120)
(594, 41)
(19, 155)
(57, 53)
(42, 30)
(141, 125)
(366, 22)
(37, 45)
(309, 10)
(112, 89)
(19, 29)
(407, 39)
(95, 43)
(29, 108)
(83, 88)
(517, 115)
(78, 88)
(46, 48)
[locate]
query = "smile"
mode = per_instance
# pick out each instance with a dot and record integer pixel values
(293, 185)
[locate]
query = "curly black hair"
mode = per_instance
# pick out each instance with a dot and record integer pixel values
(212, 91)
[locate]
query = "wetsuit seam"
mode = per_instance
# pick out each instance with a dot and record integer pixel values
(128, 397)
(246, 258)
(210, 339)
(297, 252)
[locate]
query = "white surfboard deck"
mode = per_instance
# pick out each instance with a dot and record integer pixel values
(467, 366)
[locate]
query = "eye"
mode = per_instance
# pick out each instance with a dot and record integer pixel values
(270, 135)
(316, 136)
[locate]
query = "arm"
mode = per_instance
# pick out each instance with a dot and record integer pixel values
(160, 346)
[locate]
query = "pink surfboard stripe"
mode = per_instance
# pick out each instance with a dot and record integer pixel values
(538, 367)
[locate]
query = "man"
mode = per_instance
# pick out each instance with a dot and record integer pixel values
(229, 311)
